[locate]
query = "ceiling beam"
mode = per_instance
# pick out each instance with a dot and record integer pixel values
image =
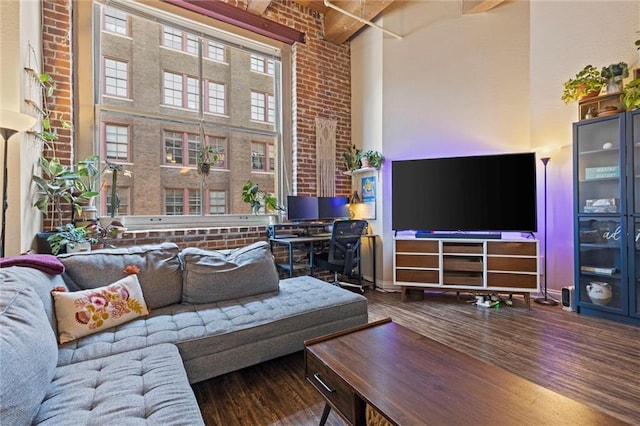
(241, 18)
(257, 7)
(338, 27)
(479, 6)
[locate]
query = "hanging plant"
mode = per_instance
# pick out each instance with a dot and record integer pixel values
(206, 158)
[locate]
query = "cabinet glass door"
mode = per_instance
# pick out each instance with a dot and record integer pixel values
(601, 263)
(600, 199)
(634, 290)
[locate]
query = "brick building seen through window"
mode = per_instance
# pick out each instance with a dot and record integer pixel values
(165, 93)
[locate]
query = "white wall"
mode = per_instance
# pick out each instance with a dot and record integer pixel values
(23, 219)
(488, 83)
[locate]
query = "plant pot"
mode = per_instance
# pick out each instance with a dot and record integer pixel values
(42, 245)
(79, 247)
(364, 162)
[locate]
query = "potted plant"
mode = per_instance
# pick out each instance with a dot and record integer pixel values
(56, 185)
(87, 188)
(614, 74)
(72, 238)
(631, 95)
(586, 83)
(373, 159)
(352, 158)
(258, 199)
(206, 159)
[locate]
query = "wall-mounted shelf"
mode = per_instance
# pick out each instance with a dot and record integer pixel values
(359, 171)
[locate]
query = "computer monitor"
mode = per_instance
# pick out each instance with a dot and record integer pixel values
(332, 207)
(301, 208)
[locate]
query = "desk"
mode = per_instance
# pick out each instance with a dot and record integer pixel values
(309, 243)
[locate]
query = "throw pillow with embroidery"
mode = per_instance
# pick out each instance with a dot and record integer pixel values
(85, 312)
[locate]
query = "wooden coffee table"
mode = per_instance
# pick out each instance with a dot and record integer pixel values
(413, 380)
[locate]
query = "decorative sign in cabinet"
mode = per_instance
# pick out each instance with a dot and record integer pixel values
(607, 216)
(500, 266)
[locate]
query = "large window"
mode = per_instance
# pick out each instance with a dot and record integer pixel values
(174, 93)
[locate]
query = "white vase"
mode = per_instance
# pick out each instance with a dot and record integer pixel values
(364, 162)
(600, 293)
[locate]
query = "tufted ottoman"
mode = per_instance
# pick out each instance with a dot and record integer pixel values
(142, 387)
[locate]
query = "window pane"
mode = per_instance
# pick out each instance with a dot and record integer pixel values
(194, 202)
(215, 51)
(172, 38)
(116, 142)
(193, 93)
(216, 97)
(172, 89)
(257, 106)
(219, 146)
(115, 21)
(258, 156)
(182, 99)
(217, 202)
(193, 144)
(192, 44)
(115, 77)
(173, 147)
(174, 202)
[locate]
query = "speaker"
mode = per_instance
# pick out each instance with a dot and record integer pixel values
(568, 298)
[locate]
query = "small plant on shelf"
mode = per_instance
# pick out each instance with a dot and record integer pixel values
(352, 158)
(70, 237)
(587, 82)
(614, 74)
(631, 95)
(374, 158)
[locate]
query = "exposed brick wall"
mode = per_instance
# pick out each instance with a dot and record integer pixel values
(56, 52)
(321, 88)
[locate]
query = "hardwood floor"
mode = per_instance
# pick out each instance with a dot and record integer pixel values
(591, 360)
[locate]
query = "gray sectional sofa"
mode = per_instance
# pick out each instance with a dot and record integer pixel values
(212, 312)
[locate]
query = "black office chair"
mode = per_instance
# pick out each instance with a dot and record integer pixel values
(344, 251)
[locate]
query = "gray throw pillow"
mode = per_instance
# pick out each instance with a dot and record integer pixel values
(214, 276)
(160, 271)
(28, 353)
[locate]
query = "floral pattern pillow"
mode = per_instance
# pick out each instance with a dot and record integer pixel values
(81, 313)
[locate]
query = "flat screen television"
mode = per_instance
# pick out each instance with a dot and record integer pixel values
(332, 208)
(486, 193)
(301, 208)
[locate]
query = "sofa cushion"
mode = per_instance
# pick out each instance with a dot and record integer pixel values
(41, 282)
(85, 312)
(160, 270)
(28, 353)
(214, 276)
(305, 307)
(141, 387)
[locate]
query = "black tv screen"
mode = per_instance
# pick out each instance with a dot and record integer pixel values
(475, 193)
(333, 207)
(302, 208)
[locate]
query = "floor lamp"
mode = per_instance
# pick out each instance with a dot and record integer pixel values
(10, 123)
(545, 300)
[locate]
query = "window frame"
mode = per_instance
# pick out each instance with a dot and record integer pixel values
(87, 114)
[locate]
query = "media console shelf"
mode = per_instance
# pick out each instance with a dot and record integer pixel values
(467, 265)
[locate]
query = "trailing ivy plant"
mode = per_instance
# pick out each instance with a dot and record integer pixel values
(587, 81)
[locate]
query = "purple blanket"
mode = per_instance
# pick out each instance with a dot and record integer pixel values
(44, 262)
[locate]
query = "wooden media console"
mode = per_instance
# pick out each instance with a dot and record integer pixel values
(467, 265)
